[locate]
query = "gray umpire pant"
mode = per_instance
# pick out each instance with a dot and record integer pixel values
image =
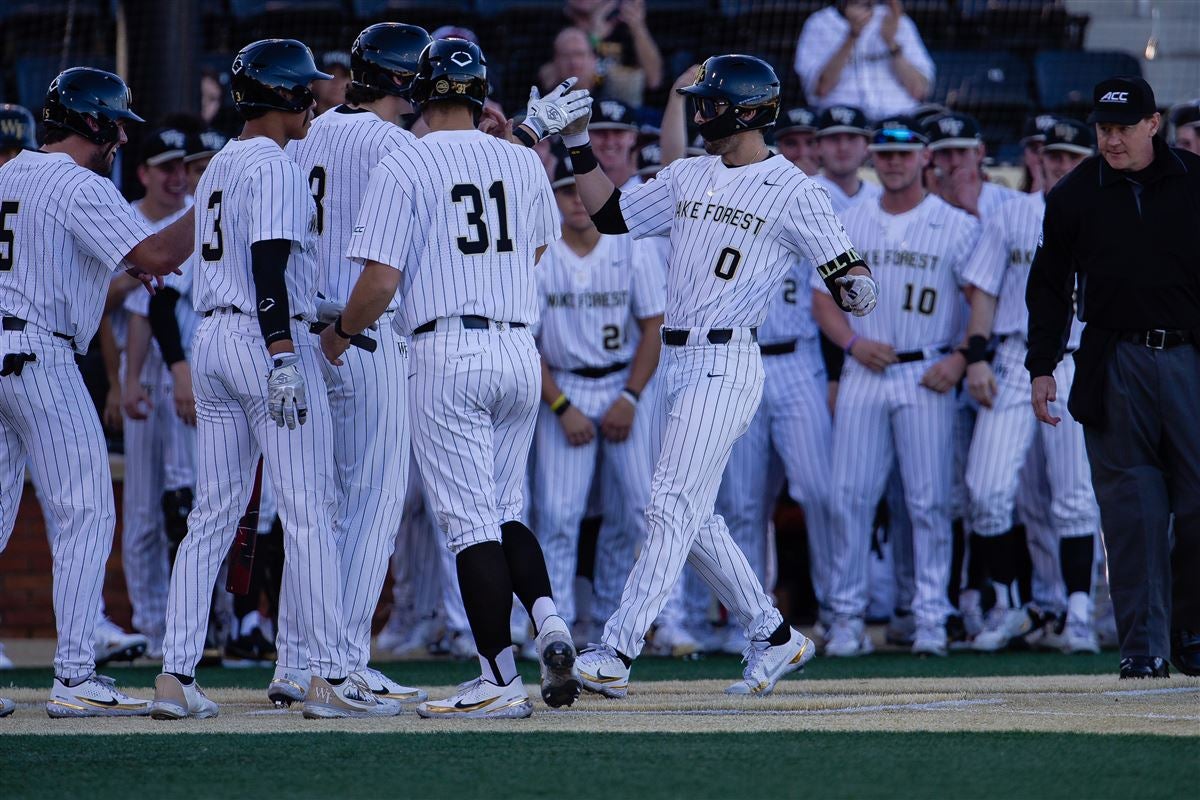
(1146, 466)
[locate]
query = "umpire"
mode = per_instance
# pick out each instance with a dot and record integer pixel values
(1124, 230)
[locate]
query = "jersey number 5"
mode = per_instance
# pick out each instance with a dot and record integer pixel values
(7, 241)
(215, 247)
(475, 218)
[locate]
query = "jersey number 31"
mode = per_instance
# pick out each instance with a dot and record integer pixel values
(472, 199)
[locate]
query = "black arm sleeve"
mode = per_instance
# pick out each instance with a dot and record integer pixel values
(838, 267)
(609, 218)
(165, 326)
(268, 260)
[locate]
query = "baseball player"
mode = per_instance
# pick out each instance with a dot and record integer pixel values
(1005, 429)
(593, 289)
(738, 204)
(367, 394)
(795, 138)
(254, 286)
(53, 284)
(457, 220)
(842, 137)
(895, 400)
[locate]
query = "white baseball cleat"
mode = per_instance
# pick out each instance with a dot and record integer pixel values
(1078, 635)
(93, 698)
(387, 689)
(556, 656)
(1001, 627)
(930, 640)
(848, 638)
(175, 700)
(351, 698)
(7, 706)
(113, 644)
(603, 671)
(288, 686)
(766, 664)
(481, 699)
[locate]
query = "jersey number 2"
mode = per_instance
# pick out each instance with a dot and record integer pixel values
(475, 218)
(213, 249)
(7, 241)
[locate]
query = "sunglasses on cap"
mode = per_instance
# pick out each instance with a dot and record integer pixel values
(897, 136)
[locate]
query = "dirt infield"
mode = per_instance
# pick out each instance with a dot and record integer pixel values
(1075, 704)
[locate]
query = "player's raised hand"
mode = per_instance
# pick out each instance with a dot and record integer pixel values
(549, 115)
(577, 427)
(287, 400)
(859, 293)
(875, 356)
(981, 383)
(1045, 392)
(945, 373)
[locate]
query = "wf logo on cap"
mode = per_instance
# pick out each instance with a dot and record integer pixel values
(801, 116)
(1115, 97)
(842, 114)
(950, 126)
(611, 109)
(1065, 133)
(172, 138)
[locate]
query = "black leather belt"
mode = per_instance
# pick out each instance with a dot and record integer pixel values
(236, 310)
(780, 349)
(1157, 339)
(908, 356)
(678, 337)
(18, 324)
(600, 372)
(471, 322)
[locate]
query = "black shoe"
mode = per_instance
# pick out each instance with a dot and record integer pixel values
(252, 649)
(1185, 651)
(1144, 667)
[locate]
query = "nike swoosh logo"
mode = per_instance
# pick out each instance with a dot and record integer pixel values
(603, 678)
(461, 706)
(768, 183)
(716, 375)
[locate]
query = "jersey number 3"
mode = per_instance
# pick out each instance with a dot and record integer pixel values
(215, 246)
(472, 197)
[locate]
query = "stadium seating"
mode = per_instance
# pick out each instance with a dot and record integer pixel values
(1065, 78)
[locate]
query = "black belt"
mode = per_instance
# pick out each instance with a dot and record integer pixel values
(1157, 339)
(18, 324)
(599, 372)
(236, 310)
(780, 349)
(676, 337)
(471, 322)
(908, 356)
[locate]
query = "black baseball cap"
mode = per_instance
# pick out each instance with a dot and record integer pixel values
(952, 129)
(612, 115)
(897, 134)
(649, 158)
(1071, 136)
(796, 120)
(1186, 114)
(1035, 127)
(843, 119)
(336, 58)
(162, 145)
(204, 145)
(563, 174)
(1123, 100)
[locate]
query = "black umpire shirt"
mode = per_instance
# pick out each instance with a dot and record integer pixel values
(1129, 243)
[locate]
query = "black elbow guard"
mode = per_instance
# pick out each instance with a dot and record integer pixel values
(609, 218)
(268, 261)
(837, 268)
(165, 326)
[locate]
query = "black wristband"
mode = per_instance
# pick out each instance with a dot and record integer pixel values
(339, 330)
(524, 137)
(558, 412)
(976, 349)
(583, 160)
(636, 394)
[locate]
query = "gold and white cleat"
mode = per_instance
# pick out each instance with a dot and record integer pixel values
(93, 698)
(481, 699)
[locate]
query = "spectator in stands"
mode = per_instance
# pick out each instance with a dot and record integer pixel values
(796, 138)
(1033, 136)
(868, 56)
(573, 56)
(1186, 120)
(332, 93)
(215, 111)
(618, 34)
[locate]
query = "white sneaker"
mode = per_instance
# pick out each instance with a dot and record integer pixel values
(765, 664)
(735, 642)
(352, 698)
(1002, 626)
(114, 644)
(672, 641)
(5, 661)
(848, 638)
(387, 689)
(603, 671)
(1078, 635)
(481, 699)
(930, 640)
(288, 686)
(7, 706)
(174, 700)
(556, 657)
(93, 698)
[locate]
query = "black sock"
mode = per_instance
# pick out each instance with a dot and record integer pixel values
(977, 571)
(958, 546)
(626, 660)
(526, 564)
(589, 536)
(1024, 563)
(1076, 554)
(186, 680)
(487, 589)
(780, 635)
(1002, 563)
(335, 681)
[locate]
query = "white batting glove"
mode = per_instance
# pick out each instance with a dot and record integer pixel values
(287, 402)
(860, 293)
(547, 116)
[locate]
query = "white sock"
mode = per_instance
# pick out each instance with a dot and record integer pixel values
(504, 662)
(542, 607)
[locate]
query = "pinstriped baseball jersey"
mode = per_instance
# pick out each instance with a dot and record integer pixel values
(63, 231)
(339, 152)
(735, 232)
(993, 195)
(137, 302)
(252, 192)
(589, 302)
(790, 313)
(1001, 260)
(917, 258)
(461, 214)
(867, 192)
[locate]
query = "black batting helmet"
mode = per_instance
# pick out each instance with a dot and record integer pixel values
(384, 57)
(451, 69)
(746, 83)
(80, 94)
(16, 128)
(263, 70)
